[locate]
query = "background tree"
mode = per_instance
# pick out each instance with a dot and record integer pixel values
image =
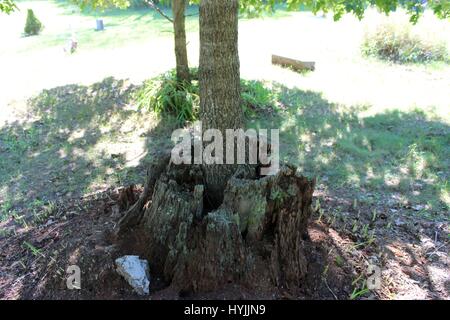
(178, 21)
(181, 56)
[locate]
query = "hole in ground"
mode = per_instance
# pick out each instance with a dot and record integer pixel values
(210, 204)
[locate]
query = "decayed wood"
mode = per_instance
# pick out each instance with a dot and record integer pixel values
(134, 214)
(255, 236)
(293, 63)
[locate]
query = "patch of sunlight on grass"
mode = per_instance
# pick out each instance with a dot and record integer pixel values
(416, 161)
(444, 195)
(353, 178)
(61, 19)
(325, 159)
(76, 135)
(391, 180)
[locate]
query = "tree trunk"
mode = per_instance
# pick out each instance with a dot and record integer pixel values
(219, 80)
(253, 233)
(178, 8)
(255, 238)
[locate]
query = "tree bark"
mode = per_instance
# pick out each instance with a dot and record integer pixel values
(182, 65)
(219, 80)
(252, 232)
(255, 238)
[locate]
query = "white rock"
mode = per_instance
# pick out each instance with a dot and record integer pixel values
(136, 273)
(419, 207)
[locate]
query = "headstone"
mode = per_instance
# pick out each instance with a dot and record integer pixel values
(100, 26)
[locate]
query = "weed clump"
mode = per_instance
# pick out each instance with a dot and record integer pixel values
(163, 94)
(399, 42)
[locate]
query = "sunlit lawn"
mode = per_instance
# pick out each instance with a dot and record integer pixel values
(61, 20)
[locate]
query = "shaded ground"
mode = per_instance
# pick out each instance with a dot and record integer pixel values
(37, 258)
(382, 193)
(73, 141)
(413, 256)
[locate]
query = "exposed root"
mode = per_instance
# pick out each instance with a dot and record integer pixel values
(134, 214)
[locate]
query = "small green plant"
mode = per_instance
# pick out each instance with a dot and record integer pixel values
(32, 26)
(5, 209)
(43, 212)
(339, 261)
(278, 196)
(35, 251)
(371, 238)
(355, 204)
(365, 231)
(321, 212)
(20, 219)
(317, 206)
(359, 287)
(256, 97)
(165, 95)
(355, 226)
(374, 215)
(396, 42)
(359, 292)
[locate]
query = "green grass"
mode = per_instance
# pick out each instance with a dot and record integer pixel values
(122, 27)
(356, 124)
(86, 138)
(82, 139)
(389, 152)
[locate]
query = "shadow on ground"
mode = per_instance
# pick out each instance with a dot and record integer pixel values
(403, 154)
(88, 139)
(78, 139)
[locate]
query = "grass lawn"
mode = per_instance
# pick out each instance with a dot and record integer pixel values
(355, 123)
(60, 19)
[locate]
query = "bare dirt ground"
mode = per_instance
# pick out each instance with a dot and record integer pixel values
(412, 255)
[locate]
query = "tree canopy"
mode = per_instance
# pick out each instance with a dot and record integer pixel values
(339, 7)
(415, 8)
(7, 6)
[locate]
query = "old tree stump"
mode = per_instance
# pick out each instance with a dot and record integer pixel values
(255, 237)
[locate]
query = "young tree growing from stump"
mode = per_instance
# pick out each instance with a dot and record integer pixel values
(253, 231)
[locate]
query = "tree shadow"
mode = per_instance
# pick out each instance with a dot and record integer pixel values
(84, 139)
(395, 152)
(78, 139)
